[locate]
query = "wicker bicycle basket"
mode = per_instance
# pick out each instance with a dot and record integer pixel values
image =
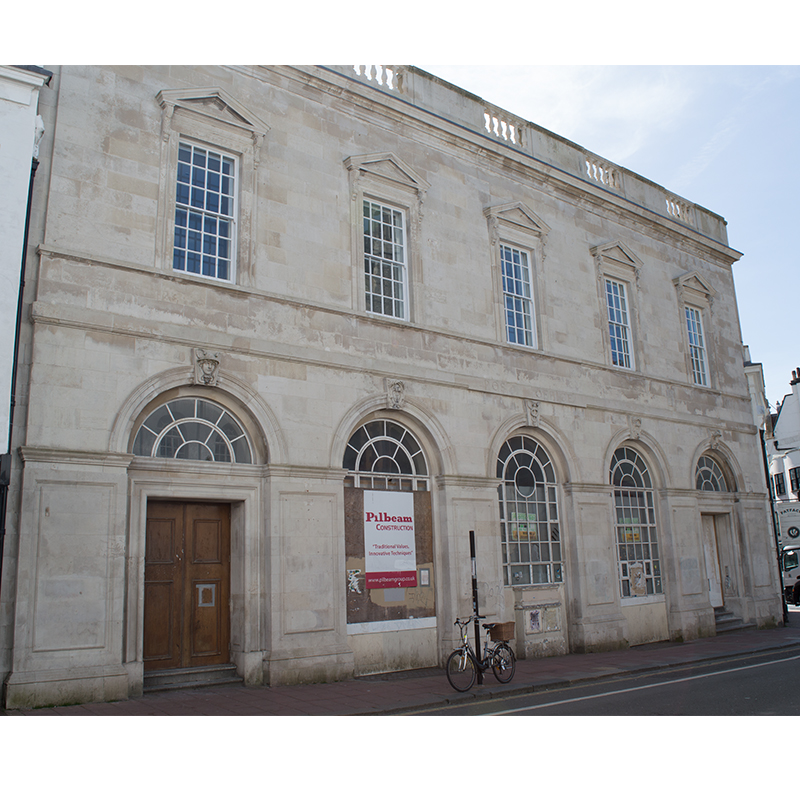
(502, 631)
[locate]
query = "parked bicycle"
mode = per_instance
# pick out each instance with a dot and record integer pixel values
(463, 664)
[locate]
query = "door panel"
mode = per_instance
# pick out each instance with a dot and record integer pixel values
(208, 570)
(163, 586)
(711, 552)
(187, 585)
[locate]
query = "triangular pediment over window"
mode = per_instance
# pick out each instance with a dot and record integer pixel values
(213, 103)
(518, 217)
(387, 167)
(692, 283)
(618, 253)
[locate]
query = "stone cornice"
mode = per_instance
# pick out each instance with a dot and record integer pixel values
(371, 103)
(32, 454)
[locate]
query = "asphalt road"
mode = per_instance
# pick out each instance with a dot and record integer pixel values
(742, 686)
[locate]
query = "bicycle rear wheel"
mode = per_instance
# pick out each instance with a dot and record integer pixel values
(460, 670)
(503, 663)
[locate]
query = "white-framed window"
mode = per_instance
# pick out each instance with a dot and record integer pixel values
(618, 269)
(385, 264)
(530, 530)
(385, 455)
(515, 265)
(516, 240)
(205, 212)
(208, 185)
(635, 525)
(708, 476)
(619, 326)
(697, 346)
(386, 196)
(194, 429)
(695, 299)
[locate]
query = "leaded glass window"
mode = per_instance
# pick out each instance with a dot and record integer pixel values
(194, 429)
(383, 454)
(635, 525)
(530, 530)
(619, 328)
(385, 268)
(708, 476)
(204, 212)
(517, 296)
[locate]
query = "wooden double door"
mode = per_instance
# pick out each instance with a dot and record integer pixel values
(186, 585)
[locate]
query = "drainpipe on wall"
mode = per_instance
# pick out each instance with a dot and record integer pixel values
(5, 458)
(774, 529)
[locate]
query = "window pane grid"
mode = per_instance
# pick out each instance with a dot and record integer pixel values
(384, 260)
(618, 326)
(382, 451)
(517, 295)
(204, 212)
(529, 522)
(697, 347)
(634, 525)
(186, 429)
(709, 477)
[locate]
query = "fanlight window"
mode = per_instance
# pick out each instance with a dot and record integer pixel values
(385, 455)
(193, 429)
(635, 525)
(529, 524)
(708, 476)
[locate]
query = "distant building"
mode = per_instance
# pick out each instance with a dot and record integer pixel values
(784, 465)
(292, 332)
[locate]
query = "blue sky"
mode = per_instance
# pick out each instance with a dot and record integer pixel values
(723, 137)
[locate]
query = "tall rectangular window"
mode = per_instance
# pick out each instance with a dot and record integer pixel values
(385, 268)
(780, 483)
(794, 479)
(619, 328)
(697, 346)
(204, 213)
(517, 296)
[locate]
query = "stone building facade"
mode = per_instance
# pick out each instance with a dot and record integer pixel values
(284, 321)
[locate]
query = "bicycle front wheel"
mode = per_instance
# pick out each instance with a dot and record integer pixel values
(503, 663)
(460, 670)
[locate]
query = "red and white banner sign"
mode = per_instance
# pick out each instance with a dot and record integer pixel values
(390, 551)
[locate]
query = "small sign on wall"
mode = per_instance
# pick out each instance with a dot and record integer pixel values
(389, 546)
(533, 620)
(638, 584)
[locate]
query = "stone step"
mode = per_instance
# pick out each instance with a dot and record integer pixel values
(192, 677)
(726, 622)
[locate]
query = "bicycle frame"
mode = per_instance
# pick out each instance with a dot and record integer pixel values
(483, 664)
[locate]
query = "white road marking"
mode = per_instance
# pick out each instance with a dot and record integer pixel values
(639, 688)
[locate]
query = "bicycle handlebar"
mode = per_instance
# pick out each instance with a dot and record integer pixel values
(468, 619)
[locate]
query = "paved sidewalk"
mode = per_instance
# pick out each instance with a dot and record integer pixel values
(428, 688)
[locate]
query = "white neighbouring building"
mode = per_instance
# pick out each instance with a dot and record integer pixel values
(20, 130)
(293, 332)
(784, 465)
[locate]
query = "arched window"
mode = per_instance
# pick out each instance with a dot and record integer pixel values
(383, 454)
(635, 525)
(708, 476)
(195, 429)
(529, 521)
